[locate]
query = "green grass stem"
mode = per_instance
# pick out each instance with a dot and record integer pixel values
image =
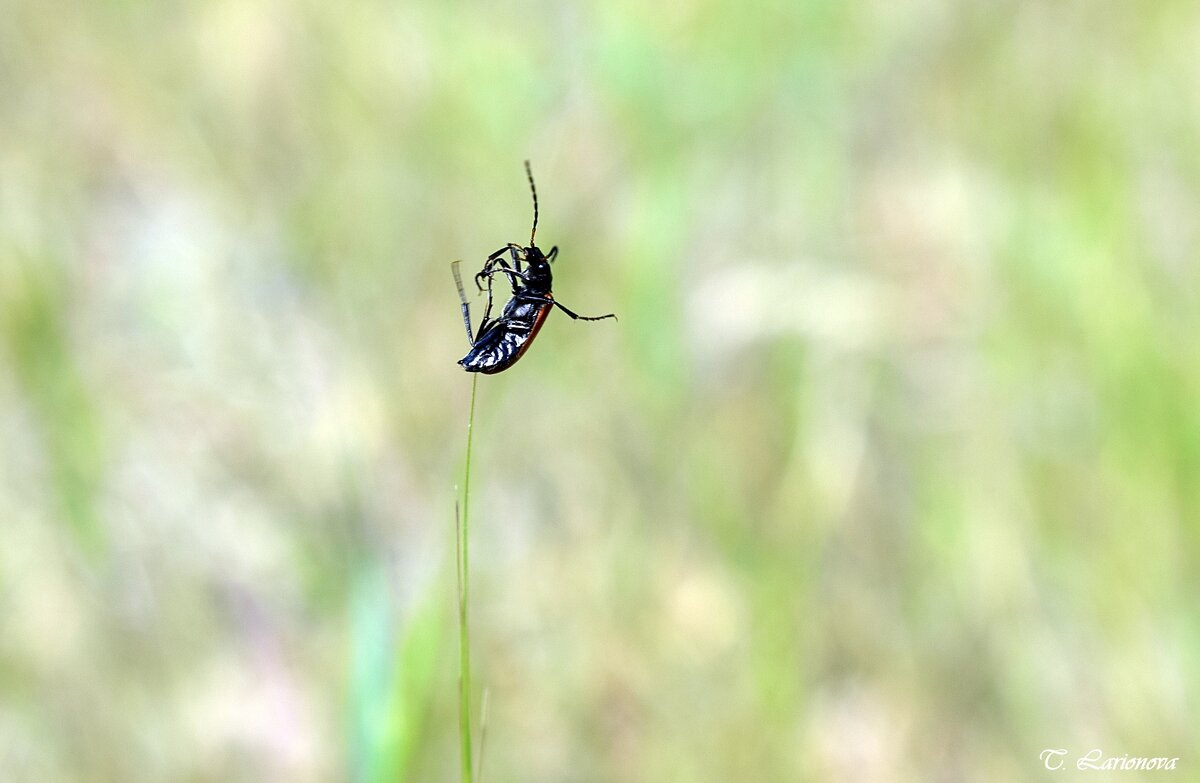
(462, 529)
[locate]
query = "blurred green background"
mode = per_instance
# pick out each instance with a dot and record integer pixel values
(888, 472)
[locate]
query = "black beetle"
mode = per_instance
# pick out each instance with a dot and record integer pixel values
(500, 342)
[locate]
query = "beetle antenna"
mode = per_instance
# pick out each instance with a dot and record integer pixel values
(462, 297)
(533, 190)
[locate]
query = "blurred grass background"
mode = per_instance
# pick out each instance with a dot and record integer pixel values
(887, 473)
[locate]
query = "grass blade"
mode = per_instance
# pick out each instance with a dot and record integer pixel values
(462, 562)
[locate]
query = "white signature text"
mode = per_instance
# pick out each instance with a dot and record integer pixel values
(1056, 758)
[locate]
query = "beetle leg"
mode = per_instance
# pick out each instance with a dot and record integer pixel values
(577, 316)
(513, 276)
(496, 260)
(487, 312)
(486, 272)
(510, 248)
(485, 324)
(574, 315)
(489, 269)
(552, 254)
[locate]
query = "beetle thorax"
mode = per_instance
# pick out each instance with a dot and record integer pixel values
(538, 278)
